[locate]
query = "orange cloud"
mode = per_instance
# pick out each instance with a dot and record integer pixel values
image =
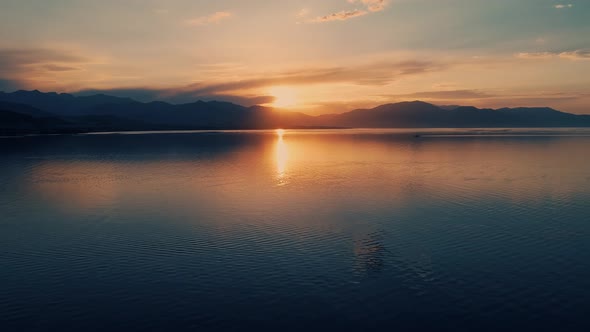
(340, 16)
(534, 55)
(22, 67)
(576, 55)
(374, 74)
(571, 55)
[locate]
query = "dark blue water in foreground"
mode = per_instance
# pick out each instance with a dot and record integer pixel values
(318, 230)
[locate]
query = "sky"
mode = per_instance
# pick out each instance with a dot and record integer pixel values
(315, 56)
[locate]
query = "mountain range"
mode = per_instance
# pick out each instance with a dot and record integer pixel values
(24, 112)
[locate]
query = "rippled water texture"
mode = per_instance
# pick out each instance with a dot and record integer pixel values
(301, 230)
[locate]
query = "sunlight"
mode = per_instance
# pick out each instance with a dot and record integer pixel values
(282, 155)
(284, 96)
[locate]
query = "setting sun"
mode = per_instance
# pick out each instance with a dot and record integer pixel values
(284, 96)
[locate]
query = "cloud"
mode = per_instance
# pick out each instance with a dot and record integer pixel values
(52, 67)
(535, 55)
(563, 6)
(576, 55)
(449, 94)
(570, 55)
(17, 66)
(375, 74)
(339, 16)
(378, 73)
(371, 6)
(210, 19)
(14, 59)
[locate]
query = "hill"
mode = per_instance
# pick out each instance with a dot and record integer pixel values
(52, 112)
(419, 114)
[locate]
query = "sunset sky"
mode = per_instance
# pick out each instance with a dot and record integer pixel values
(316, 56)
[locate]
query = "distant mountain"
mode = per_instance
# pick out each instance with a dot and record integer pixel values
(419, 114)
(400, 115)
(201, 114)
(35, 111)
(61, 104)
(24, 109)
(22, 119)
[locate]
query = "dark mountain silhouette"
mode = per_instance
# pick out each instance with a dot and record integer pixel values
(24, 109)
(419, 114)
(201, 114)
(61, 104)
(406, 114)
(12, 123)
(20, 118)
(38, 112)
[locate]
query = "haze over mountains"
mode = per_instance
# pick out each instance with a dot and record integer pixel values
(38, 112)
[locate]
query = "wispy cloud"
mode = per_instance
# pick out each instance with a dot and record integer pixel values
(209, 19)
(576, 55)
(371, 6)
(53, 67)
(20, 65)
(339, 16)
(563, 6)
(571, 55)
(444, 94)
(535, 55)
(18, 58)
(373, 74)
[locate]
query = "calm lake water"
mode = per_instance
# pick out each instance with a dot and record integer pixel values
(301, 230)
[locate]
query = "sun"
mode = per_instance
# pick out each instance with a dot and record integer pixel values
(284, 96)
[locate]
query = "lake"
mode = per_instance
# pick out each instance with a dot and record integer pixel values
(409, 230)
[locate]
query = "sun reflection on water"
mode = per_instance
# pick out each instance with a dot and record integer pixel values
(282, 156)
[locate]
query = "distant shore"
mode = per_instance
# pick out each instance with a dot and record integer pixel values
(410, 132)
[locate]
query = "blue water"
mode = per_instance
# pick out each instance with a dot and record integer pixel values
(458, 230)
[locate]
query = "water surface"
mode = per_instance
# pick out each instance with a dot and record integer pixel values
(322, 230)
